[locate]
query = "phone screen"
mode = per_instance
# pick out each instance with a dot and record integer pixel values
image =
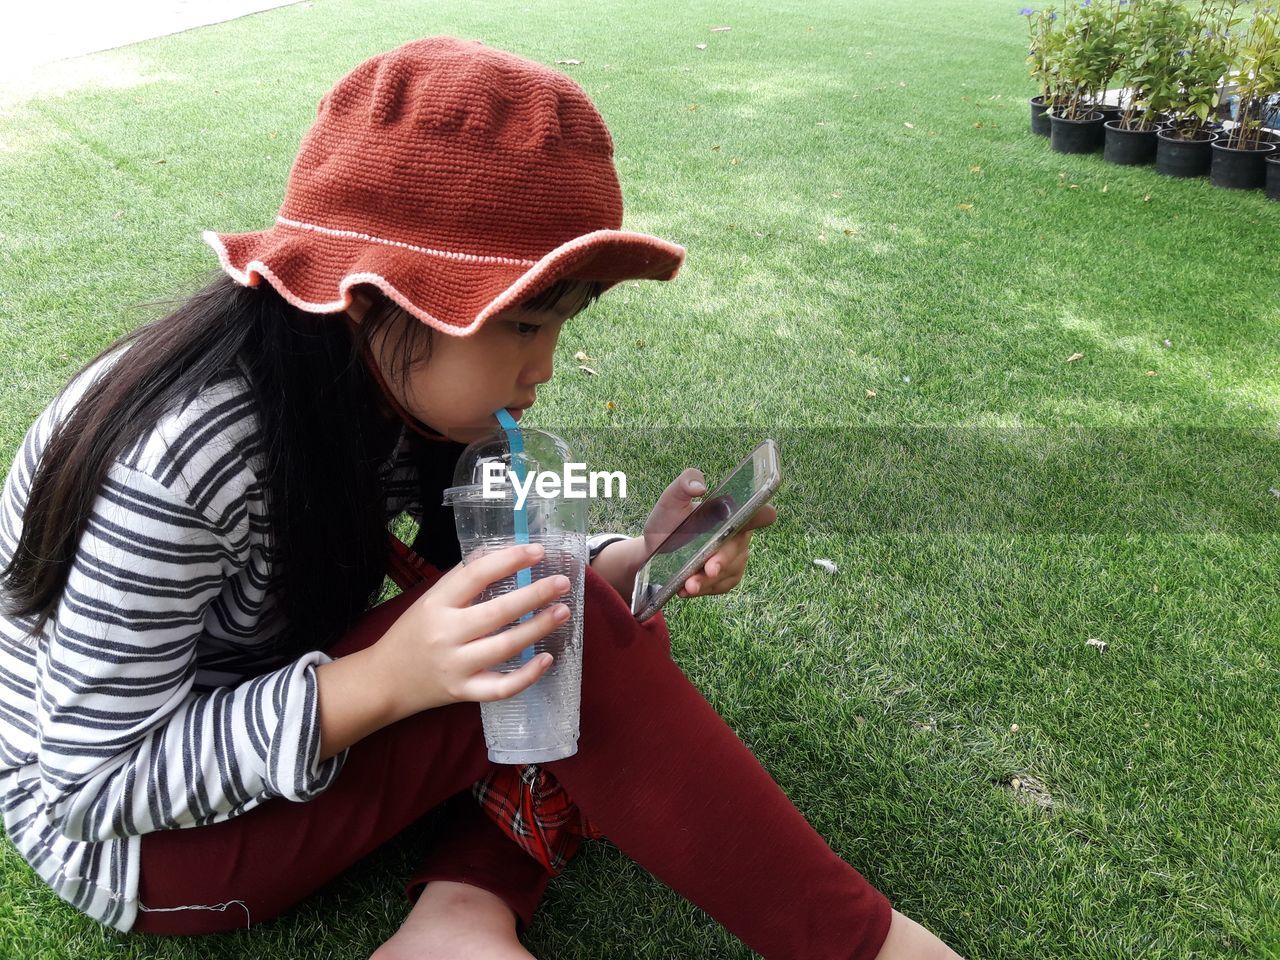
(753, 480)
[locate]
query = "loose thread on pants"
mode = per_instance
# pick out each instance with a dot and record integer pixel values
(217, 908)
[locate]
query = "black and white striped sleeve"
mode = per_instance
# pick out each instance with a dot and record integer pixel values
(597, 542)
(126, 746)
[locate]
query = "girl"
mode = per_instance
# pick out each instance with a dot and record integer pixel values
(194, 530)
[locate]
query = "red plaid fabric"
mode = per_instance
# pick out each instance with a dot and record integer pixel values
(530, 807)
(526, 802)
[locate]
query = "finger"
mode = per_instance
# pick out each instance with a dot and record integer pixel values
(731, 555)
(725, 584)
(485, 618)
(488, 652)
(686, 487)
(726, 559)
(708, 587)
(489, 686)
(762, 517)
(722, 571)
(464, 582)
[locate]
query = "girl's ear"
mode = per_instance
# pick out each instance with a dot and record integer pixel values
(360, 304)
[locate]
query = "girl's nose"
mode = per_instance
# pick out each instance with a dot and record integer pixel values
(541, 366)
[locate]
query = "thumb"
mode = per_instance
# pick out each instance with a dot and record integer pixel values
(690, 484)
(676, 500)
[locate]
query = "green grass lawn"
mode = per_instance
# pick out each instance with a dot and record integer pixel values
(864, 210)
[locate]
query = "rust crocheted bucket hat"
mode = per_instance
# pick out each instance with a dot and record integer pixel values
(458, 179)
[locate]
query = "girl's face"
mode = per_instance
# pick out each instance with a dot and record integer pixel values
(457, 389)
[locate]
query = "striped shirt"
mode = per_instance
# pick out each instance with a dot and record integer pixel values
(151, 701)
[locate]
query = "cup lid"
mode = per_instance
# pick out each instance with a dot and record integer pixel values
(491, 457)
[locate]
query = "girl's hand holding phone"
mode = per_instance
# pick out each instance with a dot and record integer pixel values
(439, 650)
(725, 568)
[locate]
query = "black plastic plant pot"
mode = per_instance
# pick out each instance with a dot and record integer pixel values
(1239, 169)
(1128, 147)
(1109, 111)
(1039, 116)
(1075, 136)
(1273, 175)
(1178, 156)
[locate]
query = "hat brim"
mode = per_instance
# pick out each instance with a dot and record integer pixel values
(314, 269)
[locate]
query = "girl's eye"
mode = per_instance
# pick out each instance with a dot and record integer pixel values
(527, 329)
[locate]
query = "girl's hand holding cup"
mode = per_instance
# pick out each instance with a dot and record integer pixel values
(440, 650)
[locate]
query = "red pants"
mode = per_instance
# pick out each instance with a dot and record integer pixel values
(657, 770)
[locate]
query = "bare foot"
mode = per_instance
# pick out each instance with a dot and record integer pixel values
(908, 940)
(455, 921)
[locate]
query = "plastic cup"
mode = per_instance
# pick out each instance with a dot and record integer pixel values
(541, 722)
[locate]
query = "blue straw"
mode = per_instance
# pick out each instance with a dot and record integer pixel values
(515, 441)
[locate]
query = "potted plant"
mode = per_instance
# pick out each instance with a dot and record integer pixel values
(1040, 57)
(1108, 22)
(1131, 137)
(1084, 58)
(1196, 69)
(1238, 162)
(1159, 44)
(1273, 175)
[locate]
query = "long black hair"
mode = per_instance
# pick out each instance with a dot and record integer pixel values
(324, 431)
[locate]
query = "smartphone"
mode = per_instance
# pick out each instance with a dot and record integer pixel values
(721, 514)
